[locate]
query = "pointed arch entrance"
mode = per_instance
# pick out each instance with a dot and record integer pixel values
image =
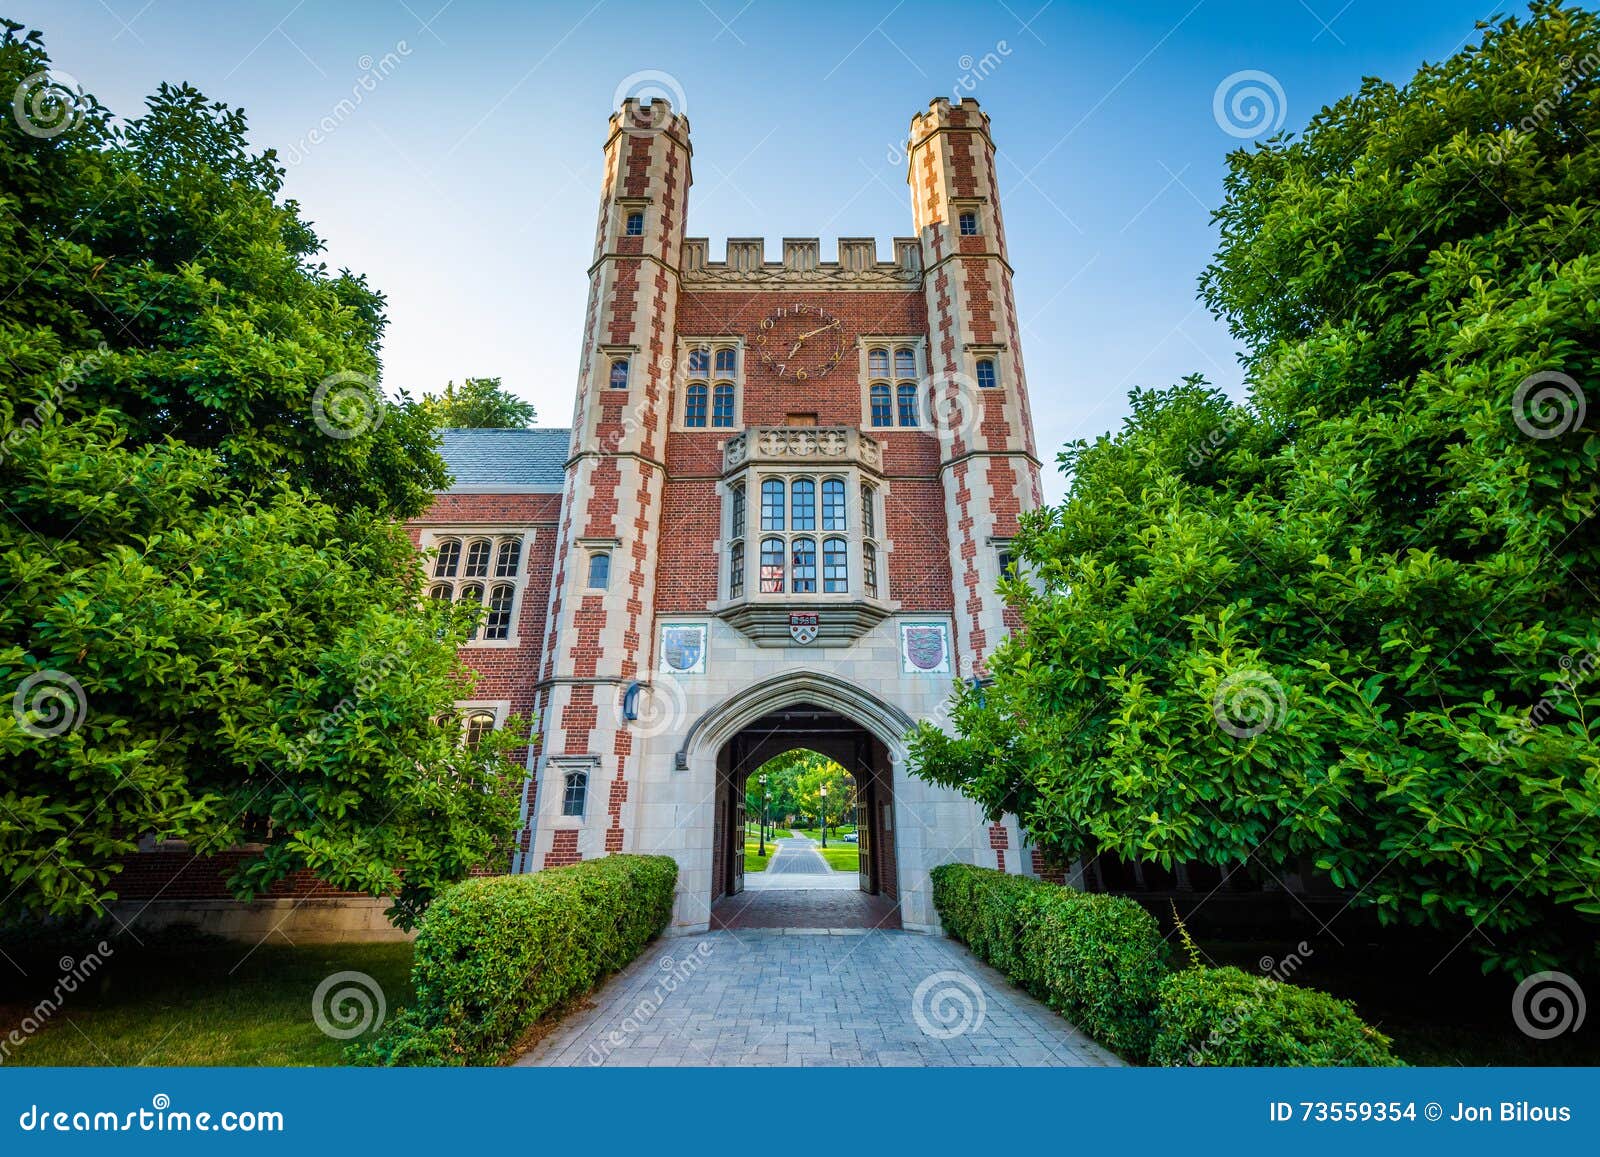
(826, 715)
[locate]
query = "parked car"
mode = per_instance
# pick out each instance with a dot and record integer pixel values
(850, 838)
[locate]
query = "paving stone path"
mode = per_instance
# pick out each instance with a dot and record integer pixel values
(803, 998)
(797, 857)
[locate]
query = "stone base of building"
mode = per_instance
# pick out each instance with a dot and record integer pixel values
(350, 919)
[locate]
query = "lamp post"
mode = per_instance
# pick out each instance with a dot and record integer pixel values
(764, 798)
(823, 808)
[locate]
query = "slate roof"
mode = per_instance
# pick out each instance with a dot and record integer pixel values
(506, 461)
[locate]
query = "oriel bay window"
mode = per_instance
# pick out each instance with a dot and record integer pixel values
(791, 558)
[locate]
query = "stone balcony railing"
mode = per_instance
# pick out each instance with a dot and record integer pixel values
(802, 445)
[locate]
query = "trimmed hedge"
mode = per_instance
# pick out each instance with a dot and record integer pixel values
(1098, 960)
(495, 954)
(1102, 962)
(1222, 1016)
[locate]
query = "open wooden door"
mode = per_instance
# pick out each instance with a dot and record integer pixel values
(736, 848)
(864, 840)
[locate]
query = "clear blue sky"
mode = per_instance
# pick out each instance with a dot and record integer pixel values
(465, 182)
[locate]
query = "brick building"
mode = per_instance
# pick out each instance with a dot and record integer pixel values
(777, 521)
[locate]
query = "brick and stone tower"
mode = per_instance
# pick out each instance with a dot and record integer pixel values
(602, 597)
(988, 464)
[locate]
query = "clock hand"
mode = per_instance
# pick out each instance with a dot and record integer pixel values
(820, 329)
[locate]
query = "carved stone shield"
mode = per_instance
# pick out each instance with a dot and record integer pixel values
(925, 648)
(803, 627)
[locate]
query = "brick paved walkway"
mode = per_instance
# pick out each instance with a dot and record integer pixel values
(794, 908)
(813, 998)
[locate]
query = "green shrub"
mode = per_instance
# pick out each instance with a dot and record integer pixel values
(1222, 1016)
(493, 955)
(1098, 960)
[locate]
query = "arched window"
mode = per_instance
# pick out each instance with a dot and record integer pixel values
(694, 405)
(772, 566)
(736, 523)
(471, 595)
(736, 571)
(833, 504)
(619, 374)
(882, 407)
(869, 521)
(772, 504)
(907, 394)
(599, 570)
(986, 376)
(803, 504)
(905, 363)
(878, 363)
(804, 574)
(477, 565)
(498, 624)
(699, 362)
(722, 403)
(510, 556)
(727, 360)
(449, 559)
(478, 724)
(869, 569)
(440, 591)
(835, 566)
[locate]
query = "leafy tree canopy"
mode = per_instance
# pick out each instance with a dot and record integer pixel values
(1354, 623)
(479, 404)
(212, 629)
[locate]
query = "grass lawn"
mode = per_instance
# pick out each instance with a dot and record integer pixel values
(840, 857)
(197, 1003)
(753, 861)
(1451, 1016)
(833, 833)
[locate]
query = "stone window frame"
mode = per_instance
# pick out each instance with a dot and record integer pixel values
(486, 585)
(626, 208)
(710, 380)
(553, 784)
(980, 352)
(498, 710)
(890, 343)
(857, 482)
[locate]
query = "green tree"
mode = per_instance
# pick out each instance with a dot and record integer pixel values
(1352, 624)
(480, 404)
(213, 627)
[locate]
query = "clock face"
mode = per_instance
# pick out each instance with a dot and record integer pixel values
(800, 342)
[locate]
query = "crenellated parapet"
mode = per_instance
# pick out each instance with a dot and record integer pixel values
(857, 266)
